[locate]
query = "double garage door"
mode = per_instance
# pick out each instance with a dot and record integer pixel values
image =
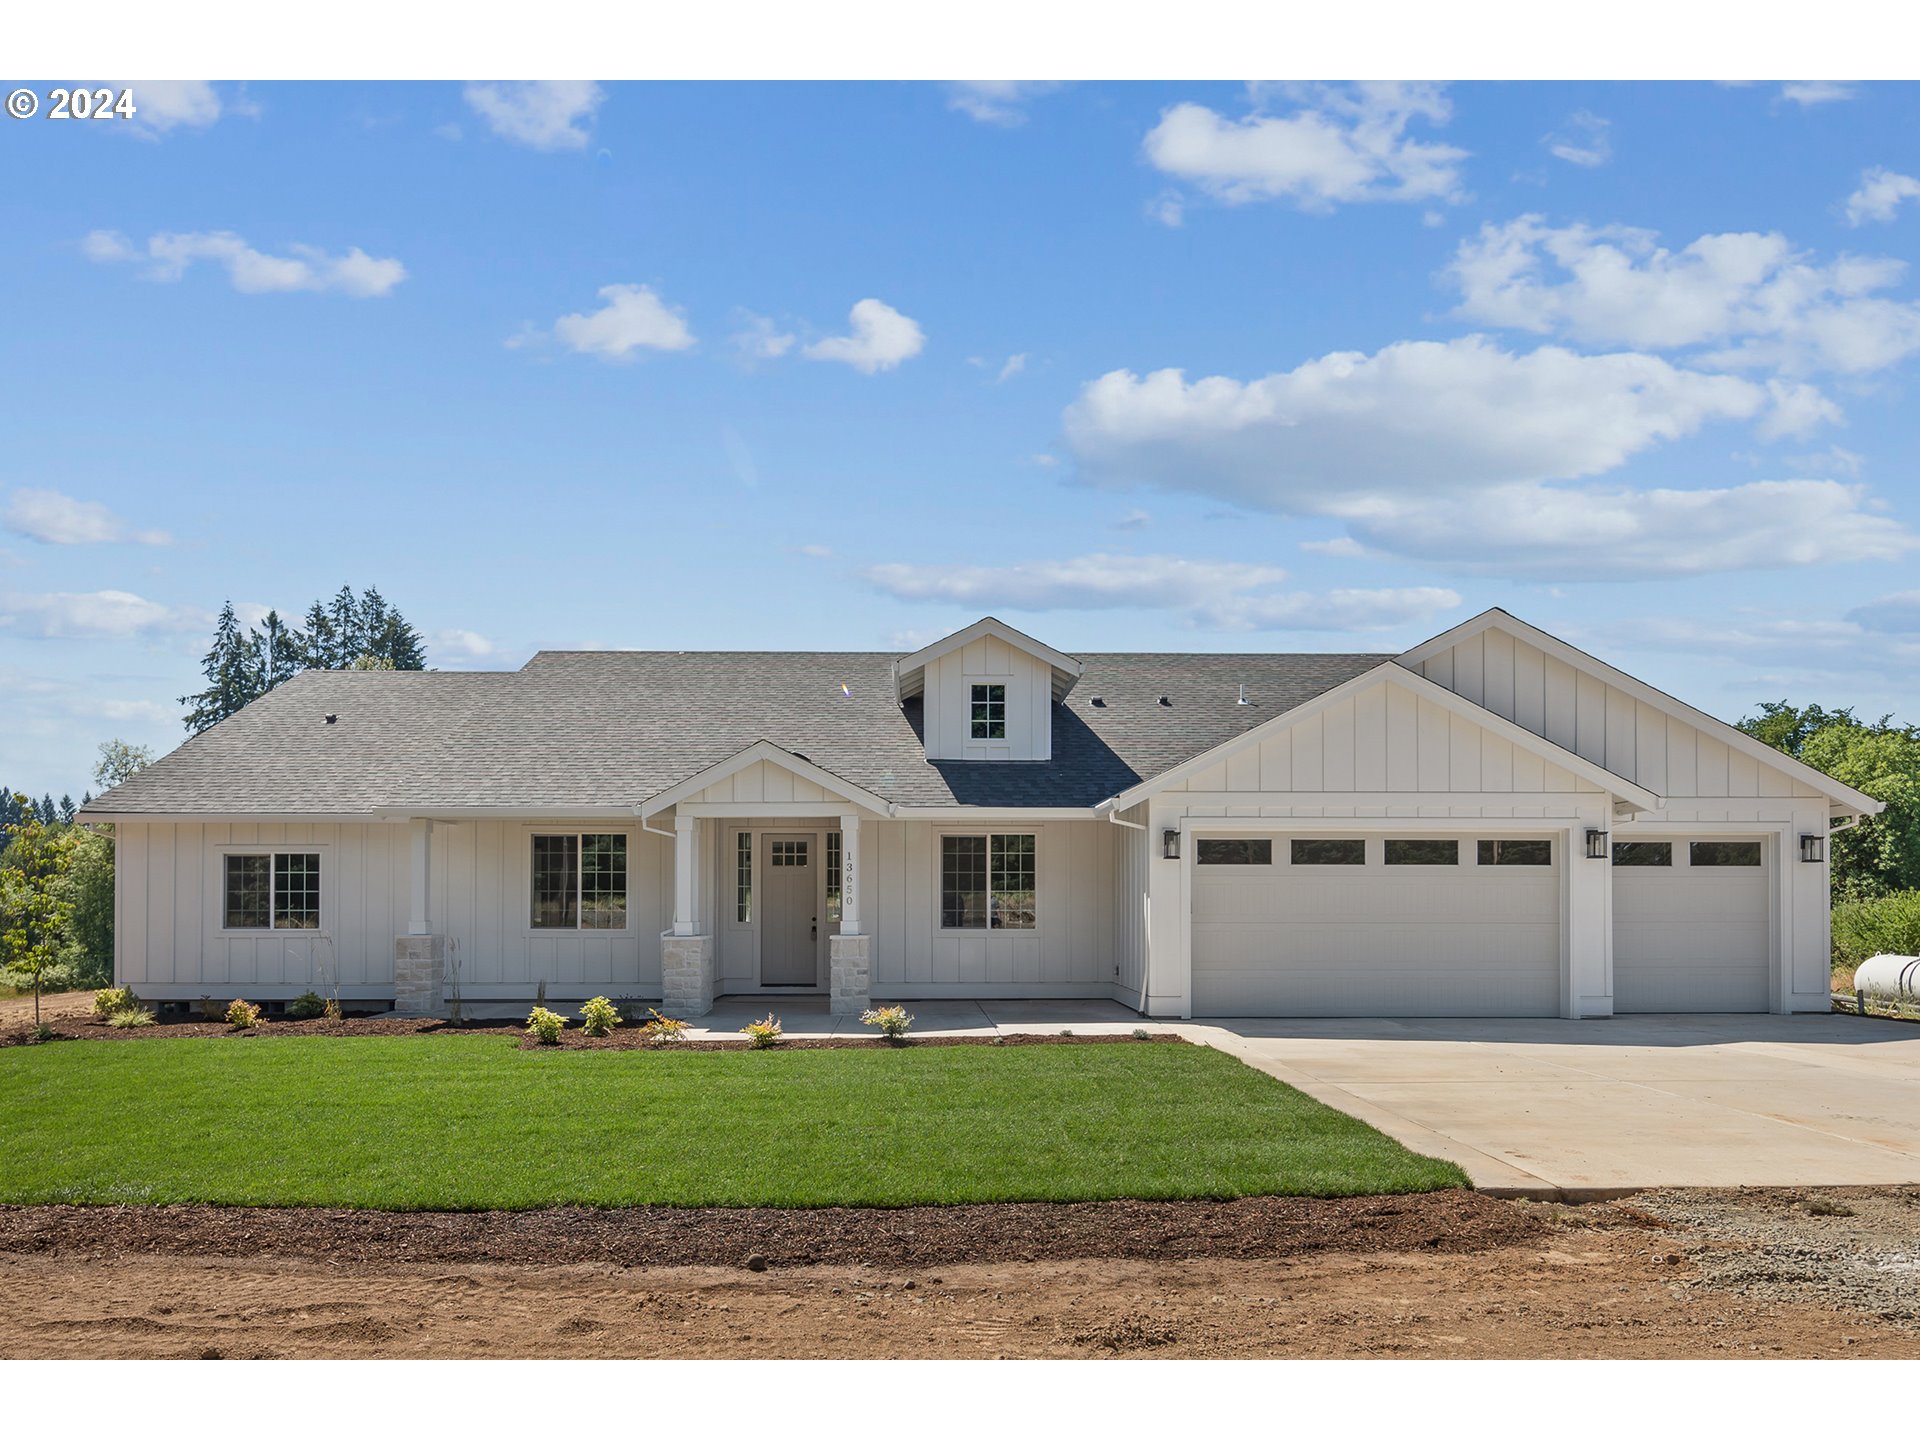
(1468, 926)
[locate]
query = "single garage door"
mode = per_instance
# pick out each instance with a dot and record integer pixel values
(1416, 925)
(1691, 931)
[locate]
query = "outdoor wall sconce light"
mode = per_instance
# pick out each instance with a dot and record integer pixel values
(1596, 844)
(1170, 844)
(1813, 848)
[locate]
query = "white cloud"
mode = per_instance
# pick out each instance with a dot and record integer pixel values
(465, 643)
(996, 102)
(1582, 141)
(1806, 93)
(1897, 614)
(817, 552)
(1339, 145)
(1133, 520)
(1013, 366)
(1218, 594)
(1341, 547)
(448, 131)
(1169, 208)
(143, 712)
(1752, 295)
(252, 272)
(1880, 195)
(163, 105)
(1415, 419)
(633, 318)
(880, 338)
(759, 338)
(1595, 534)
(56, 519)
(99, 614)
(540, 114)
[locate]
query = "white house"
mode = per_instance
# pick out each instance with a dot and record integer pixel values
(1493, 823)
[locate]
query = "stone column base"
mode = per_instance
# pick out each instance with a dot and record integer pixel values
(849, 973)
(689, 978)
(419, 974)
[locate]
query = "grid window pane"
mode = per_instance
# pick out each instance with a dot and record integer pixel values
(989, 706)
(1234, 852)
(1014, 893)
(1516, 852)
(743, 878)
(1643, 852)
(963, 882)
(787, 854)
(1329, 852)
(249, 882)
(556, 882)
(833, 876)
(296, 892)
(1705, 854)
(603, 882)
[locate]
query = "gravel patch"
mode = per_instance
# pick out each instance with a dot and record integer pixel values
(1845, 1248)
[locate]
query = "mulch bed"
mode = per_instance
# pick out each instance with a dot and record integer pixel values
(1267, 1227)
(625, 1038)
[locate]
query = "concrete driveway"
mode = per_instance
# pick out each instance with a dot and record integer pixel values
(1588, 1108)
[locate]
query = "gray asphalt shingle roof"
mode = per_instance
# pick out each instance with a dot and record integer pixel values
(575, 728)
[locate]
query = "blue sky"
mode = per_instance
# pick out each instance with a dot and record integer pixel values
(1180, 366)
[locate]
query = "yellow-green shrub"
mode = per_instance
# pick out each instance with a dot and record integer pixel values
(110, 1002)
(598, 1016)
(762, 1034)
(242, 1016)
(663, 1027)
(545, 1026)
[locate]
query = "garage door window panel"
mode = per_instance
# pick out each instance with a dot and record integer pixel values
(1423, 852)
(1234, 852)
(1643, 854)
(1328, 852)
(1723, 854)
(1515, 852)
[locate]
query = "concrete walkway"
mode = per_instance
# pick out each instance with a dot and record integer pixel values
(1587, 1108)
(807, 1016)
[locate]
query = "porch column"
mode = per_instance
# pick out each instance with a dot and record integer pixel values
(850, 874)
(419, 976)
(849, 953)
(420, 913)
(686, 848)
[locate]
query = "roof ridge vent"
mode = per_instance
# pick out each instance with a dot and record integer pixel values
(1243, 697)
(1166, 702)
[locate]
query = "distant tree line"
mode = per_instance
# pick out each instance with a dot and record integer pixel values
(346, 633)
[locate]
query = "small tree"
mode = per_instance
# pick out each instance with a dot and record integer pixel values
(119, 761)
(35, 903)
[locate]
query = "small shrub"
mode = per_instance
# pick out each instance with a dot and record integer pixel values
(306, 1007)
(1885, 925)
(132, 1019)
(598, 1016)
(42, 1033)
(663, 1027)
(1066, 1032)
(242, 1016)
(762, 1034)
(1140, 1033)
(110, 1002)
(545, 1026)
(331, 1010)
(890, 1020)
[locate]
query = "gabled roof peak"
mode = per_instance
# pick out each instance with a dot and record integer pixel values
(910, 670)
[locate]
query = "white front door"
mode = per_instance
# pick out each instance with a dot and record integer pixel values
(790, 912)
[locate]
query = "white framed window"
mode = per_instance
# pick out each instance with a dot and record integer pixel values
(988, 882)
(743, 878)
(833, 877)
(270, 890)
(988, 711)
(579, 881)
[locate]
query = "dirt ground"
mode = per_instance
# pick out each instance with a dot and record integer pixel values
(1681, 1273)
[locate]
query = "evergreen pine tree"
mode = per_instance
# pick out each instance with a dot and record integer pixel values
(349, 637)
(68, 809)
(320, 651)
(388, 635)
(234, 675)
(49, 812)
(278, 651)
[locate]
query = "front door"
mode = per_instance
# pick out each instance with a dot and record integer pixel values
(790, 914)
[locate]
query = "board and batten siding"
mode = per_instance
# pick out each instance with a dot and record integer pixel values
(1070, 952)
(168, 906)
(1383, 738)
(946, 702)
(761, 783)
(1602, 723)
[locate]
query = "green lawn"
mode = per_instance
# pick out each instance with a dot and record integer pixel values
(472, 1123)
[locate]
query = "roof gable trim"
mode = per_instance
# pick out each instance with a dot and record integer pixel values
(775, 755)
(910, 670)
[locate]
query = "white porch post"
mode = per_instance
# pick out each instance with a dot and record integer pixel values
(418, 957)
(850, 873)
(420, 913)
(1589, 923)
(686, 847)
(849, 952)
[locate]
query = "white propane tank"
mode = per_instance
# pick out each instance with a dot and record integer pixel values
(1895, 976)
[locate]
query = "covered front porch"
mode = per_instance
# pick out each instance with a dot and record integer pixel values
(767, 884)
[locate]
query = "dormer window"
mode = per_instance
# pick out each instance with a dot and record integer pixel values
(989, 712)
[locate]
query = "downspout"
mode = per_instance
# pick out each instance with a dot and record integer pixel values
(663, 834)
